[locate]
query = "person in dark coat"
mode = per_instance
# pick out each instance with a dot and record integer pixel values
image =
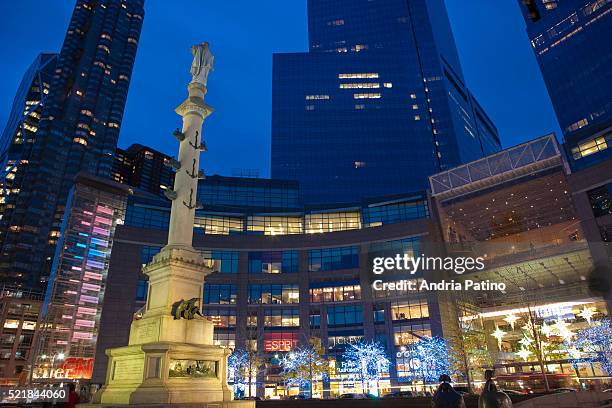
(491, 397)
(446, 396)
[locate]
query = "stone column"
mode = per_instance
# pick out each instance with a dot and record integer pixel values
(194, 111)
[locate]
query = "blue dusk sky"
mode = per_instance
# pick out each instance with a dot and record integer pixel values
(496, 57)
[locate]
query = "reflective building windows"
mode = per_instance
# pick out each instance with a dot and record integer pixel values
(393, 212)
(344, 315)
(224, 294)
(222, 261)
(386, 56)
(273, 262)
(330, 259)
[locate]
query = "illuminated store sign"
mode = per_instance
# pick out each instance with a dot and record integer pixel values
(336, 341)
(274, 342)
(73, 368)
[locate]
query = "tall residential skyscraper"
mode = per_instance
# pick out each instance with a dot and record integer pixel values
(571, 41)
(78, 131)
(23, 121)
(377, 105)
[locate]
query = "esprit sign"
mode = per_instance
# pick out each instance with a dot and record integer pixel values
(274, 342)
(279, 345)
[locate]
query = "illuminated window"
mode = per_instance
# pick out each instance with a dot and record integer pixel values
(577, 125)
(274, 225)
(11, 324)
(360, 47)
(587, 148)
(221, 317)
(388, 85)
(358, 75)
(407, 310)
(338, 22)
(415, 107)
(359, 164)
(335, 294)
(274, 294)
(408, 334)
(412, 96)
(310, 107)
(359, 107)
(329, 222)
(417, 117)
(218, 225)
(367, 96)
(371, 85)
(80, 141)
(317, 97)
(282, 318)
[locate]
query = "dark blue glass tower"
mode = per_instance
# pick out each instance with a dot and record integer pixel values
(76, 131)
(571, 41)
(377, 105)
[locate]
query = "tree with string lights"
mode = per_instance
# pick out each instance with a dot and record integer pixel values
(429, 358)
(243, 366)
(595, 344)
(368, 361)
(302, 365)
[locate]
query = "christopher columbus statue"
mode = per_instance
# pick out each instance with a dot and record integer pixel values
(202, 63)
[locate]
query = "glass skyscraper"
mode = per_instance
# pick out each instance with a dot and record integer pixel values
(77, 132)
(377, 105)
(571, 41)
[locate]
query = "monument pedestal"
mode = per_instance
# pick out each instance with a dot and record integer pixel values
(168, 360)
(166, 373)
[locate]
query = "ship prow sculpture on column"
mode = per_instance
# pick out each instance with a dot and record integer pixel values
(170, 358)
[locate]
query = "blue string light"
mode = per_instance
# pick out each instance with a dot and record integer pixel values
(595, 344)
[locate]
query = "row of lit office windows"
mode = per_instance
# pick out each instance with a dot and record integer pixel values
(319, 260)
(212, 224)
(338, 315)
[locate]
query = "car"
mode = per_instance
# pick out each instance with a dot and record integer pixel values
(399, 394)
(608, 390)
(354, 395)
(351, 395)
(562, 390)
(296, 397)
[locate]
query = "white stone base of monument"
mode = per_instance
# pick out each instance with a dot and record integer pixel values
(165, 373)
(168, 361)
